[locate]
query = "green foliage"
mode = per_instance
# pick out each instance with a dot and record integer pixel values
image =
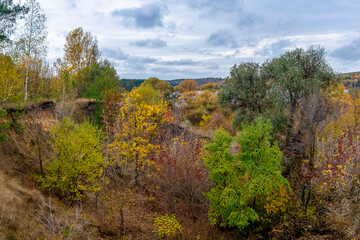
(79, 162)
(129, 84)
(98, 80)
(166, 226)
(242, 179)
(294, 76)
(244, 92)
(149, 95)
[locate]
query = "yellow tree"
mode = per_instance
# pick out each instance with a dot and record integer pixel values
(10, 80)
(187, 85)
(81, 50)
(135, 126)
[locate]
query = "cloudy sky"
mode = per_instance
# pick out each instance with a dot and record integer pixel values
(173, 39)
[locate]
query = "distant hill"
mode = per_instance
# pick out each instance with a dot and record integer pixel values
(129, 84)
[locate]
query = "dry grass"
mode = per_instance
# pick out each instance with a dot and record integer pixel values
(16, 210)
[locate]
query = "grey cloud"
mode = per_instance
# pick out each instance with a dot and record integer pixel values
(131, 62)
(150, 43)
(275, 48)
(181, 62)
(146, 16)
(250, 22)
(223, 38)
(349, 52)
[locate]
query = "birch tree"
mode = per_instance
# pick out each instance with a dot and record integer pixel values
(32, 43)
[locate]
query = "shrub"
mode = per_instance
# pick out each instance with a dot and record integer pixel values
(167, 226)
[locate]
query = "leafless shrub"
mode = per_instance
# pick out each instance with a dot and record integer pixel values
(60, 224)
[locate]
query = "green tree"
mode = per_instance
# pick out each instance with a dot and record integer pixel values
(245, 92)
(149, 95)
(98, 80)
(243, 178)
(79, 162)
(294, 76)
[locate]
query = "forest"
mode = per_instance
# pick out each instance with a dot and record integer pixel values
(271, 152)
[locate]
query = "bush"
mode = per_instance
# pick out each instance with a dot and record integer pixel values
(79, 162)
(167, 226)
(245, 173)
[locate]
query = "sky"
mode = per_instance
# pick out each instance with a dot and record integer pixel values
(177, 39)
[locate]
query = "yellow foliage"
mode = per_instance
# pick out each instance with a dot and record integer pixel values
(138, 124)
(167, 226)
(10, 80)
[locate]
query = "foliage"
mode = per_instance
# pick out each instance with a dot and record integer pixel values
(79, 161)
(4, 125)
(167, 226)
(294, 76)
(134, 126)
(213, 87)
(98, 80)
(187, 85)
(243, 178)
(81, 50)
(10, 80)
(149, 95)
(245, 92)
(204, 104)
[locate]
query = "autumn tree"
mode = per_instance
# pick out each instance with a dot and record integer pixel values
(10, 80)
(162, 86)
(79, 161)
(213, 87)
(204, 104)
(81, 50)
(187, 85)
(246, 174)
(134, 127)
(32, 44)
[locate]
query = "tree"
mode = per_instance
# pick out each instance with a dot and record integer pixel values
(10, 80)
(98, 80)
(79, 162)
(213, 87)
(9, 13)
(149, 95)
(32, 43)
(81, 50)
(133, 126)
(204, 104)
(245, 175)
(187, 85)
(245, 92)
(293, 76)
